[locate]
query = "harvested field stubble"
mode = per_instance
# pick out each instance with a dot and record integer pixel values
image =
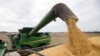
(78, 45)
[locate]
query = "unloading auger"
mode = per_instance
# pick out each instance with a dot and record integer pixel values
(59, 10)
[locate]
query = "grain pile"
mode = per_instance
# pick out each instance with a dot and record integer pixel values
(78, 45)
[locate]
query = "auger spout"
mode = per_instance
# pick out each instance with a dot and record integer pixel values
(59, 10)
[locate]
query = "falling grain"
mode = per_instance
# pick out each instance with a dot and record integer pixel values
(78, 41)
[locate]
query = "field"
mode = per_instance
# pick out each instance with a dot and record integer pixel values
(61, 37)
(57, 37)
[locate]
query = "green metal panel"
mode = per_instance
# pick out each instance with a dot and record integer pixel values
(37, 42)
(33, 41)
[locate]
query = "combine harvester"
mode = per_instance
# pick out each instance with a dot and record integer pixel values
(78, 45)
(25, 40)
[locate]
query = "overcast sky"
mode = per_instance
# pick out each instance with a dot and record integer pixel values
(15, 14)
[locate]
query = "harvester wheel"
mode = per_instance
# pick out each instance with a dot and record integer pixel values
(25, 47)
(42, 45)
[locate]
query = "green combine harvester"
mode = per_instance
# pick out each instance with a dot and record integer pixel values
(23, 40)
(31, 38)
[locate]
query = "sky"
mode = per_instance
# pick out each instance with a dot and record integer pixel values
(16, 14)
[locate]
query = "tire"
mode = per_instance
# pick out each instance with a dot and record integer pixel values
(25, 47)
(42, 45)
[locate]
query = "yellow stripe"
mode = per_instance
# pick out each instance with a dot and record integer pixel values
(36, 41)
